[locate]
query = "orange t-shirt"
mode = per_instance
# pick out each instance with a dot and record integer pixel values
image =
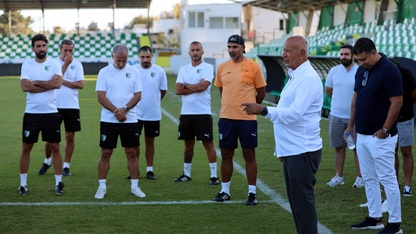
(239, 82)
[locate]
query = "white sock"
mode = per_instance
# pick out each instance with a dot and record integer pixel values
(58, 178)
(187, 169)
(134, 183)
(102, 184)
(66, 165)
(225, 187)
(252, 189)
(48, 160)
(213, 167)
(23, 179)
(149, 168)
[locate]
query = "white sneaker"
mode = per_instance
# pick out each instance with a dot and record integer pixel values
(384, 206)
(137, 192)
(336, 180)
(364, 205)
(100, 194)
(359, 182)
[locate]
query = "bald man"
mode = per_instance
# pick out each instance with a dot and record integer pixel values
(297, 133)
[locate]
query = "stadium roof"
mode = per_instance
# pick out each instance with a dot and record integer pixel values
(71, 4)
(288, 6)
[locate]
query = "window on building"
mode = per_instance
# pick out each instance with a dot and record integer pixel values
(216, 22)
(281, 24)
(231, 22)
(195, 19)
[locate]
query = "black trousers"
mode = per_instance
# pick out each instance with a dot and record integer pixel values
(299, 171)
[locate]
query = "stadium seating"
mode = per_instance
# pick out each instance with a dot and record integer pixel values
(93, 46)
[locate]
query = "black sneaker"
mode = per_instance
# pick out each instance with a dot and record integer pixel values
(222, 197)
(214, 181)
(252, 199)
(128, 177)
(150, 175)
(23, 190)
(182, 178)
(59, 189)
(66, 172)
(391, 228)
(407, 191)
(43, 169)
(369, 223)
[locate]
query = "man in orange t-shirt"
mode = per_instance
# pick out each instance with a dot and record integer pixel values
(239, 80)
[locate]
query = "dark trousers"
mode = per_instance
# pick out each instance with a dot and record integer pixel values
(299, 171)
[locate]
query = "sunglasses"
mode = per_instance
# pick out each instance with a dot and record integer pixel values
(364, 83)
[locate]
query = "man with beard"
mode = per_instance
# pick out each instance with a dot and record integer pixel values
(240, 80)
(194, 84)
(340, 87)
(118, 90)
(39, 78)
(149, 112)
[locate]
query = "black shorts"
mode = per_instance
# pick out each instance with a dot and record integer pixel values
(71, 119)
(151, 128)
(109, 132)
(48, 124)
(199, 126)
(231, 130)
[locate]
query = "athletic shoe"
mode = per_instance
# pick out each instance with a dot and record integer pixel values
(150, 175)
(391, 228)
(384, 206)
(407, 191)
(59, 189)
(23, 190)
(100, 194)
(222, 197)
(66, 172)
(214, 181)
(43, 169)
(336, 180)
(182, 178)
(137, 192)
(252, 199)
(359, 183)
(369, 223)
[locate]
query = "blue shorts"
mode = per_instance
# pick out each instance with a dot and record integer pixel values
(232, 130)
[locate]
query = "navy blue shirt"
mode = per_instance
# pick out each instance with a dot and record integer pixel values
(372, 102)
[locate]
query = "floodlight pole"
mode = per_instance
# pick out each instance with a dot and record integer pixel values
(114, 17)
(10, 22)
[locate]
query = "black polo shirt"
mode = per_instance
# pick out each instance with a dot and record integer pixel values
(372, 103)
(409, 84)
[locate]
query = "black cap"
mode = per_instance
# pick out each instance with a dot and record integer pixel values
(236, 39)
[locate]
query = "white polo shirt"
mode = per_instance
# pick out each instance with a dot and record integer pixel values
(43, 102)
(153, 80)
(120, 87)
(342, 82)
(196, 103)
(67, 97)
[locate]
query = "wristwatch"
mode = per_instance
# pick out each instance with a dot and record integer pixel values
(264, 112)
(126, 108)
(385, 131)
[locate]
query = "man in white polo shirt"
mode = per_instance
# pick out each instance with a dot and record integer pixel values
(340, 87)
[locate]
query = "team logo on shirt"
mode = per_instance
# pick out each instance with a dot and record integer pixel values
(128, 75)
(72, 67)
(103, 137)
(199, 71)
(153, 74)
(47, 68)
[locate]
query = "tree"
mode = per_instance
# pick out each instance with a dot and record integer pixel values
(139, 20)
(19, 23)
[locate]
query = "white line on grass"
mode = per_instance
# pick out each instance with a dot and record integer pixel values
(121, 203)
